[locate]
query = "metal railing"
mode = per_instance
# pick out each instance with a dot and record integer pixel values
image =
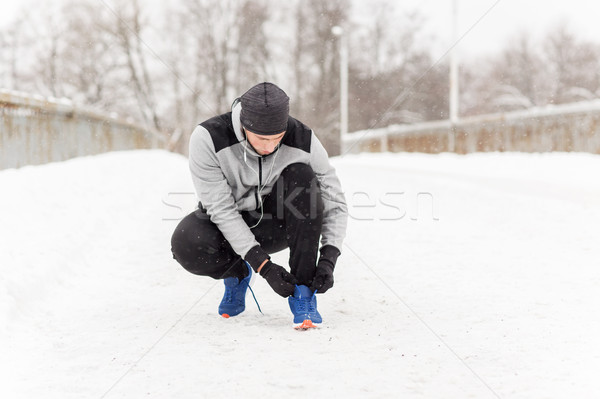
(567, 127)
(36, 130)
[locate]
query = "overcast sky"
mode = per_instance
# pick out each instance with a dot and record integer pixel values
(503, 21)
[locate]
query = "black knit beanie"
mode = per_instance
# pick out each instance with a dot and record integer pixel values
(265, 109)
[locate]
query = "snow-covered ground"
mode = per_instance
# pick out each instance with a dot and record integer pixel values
(462, 276)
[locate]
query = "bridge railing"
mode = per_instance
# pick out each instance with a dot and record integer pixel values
(36, 130)
(568, 127)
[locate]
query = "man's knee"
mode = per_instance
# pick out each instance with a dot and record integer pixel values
(181, 245)
(189, 241)
(300, 174)
(299, 193)
(300, 179)
(199, 246)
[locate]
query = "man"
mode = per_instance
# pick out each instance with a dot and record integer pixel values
(264, 183)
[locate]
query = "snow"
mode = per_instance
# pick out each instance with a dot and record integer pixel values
(461, 276)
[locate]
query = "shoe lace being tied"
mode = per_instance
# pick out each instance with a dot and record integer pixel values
(228, 297)
(255, 300)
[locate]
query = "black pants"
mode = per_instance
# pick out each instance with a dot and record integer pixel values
(292, 217)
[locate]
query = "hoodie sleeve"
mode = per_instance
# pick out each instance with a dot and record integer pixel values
(216, 195)
(335, 218)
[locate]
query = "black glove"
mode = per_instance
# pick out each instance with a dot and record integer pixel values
(279, 279)
(323, 277)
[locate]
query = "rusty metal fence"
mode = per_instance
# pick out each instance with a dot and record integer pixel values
(36, 130)
(569, 127)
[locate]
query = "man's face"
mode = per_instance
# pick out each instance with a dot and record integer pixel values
(264, 145)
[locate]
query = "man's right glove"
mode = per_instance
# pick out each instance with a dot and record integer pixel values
(279, 279)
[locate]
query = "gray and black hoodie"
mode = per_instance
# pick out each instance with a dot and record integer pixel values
(229, 176)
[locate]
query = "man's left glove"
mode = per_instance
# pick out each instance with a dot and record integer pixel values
(323, 277)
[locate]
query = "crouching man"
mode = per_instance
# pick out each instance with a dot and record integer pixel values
(264, 183)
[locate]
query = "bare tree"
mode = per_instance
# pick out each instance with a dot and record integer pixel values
(6, 47)
(128, 26)
(252, 53)
(14, 44)
(574, 66)
(394, 78)
(209, 51)
(513, 79)
(316, 66)
(526, 74)
(216, 50)
(180, 108)
(45, 38)
(300, 64)
(88, 69)
(228, 46)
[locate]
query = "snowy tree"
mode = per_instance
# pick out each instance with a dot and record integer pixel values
(526, 73)
(574, 66)
(513, 79)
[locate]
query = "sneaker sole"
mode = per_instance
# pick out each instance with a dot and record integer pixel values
(305, 325)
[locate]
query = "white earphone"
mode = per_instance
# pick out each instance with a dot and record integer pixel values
(260, 188)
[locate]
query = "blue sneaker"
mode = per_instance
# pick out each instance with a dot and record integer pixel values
(304, 307)
(234, 299)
